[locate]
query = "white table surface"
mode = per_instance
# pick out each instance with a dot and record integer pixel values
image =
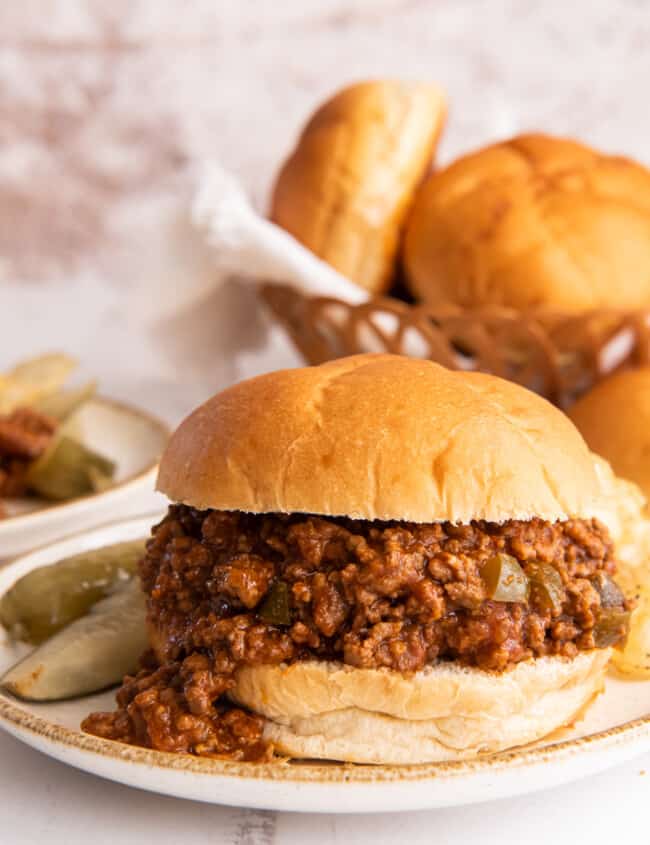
(46, 803)
(103, 105)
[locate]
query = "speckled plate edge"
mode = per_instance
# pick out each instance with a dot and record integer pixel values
(308, 772)
(463, 780)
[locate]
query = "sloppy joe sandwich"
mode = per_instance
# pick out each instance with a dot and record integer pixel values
(375, 560)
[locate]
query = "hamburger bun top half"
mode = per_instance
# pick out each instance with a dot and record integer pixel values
(381, 437)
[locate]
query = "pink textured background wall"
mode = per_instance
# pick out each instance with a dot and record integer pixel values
(101, 103)
(105, 106)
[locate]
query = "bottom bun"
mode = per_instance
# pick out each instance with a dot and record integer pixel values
(330, 711)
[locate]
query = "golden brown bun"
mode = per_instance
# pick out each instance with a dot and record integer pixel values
(346, 188)
(614, 418)
(533, 221)
(445, 712)
(381, 437)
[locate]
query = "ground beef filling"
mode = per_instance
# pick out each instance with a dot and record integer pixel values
(227, 589)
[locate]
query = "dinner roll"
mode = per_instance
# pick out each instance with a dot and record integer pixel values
(346, 188)
(614, 419)
(533, 221)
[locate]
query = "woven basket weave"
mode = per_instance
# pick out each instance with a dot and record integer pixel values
(557, 355)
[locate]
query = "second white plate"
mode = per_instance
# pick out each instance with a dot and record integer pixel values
(131, 438)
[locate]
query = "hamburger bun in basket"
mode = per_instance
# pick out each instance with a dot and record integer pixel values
(533, 221)
(614, 419)
(346, 188)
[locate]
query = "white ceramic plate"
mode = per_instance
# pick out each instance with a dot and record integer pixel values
(616, 728)
(132, 439)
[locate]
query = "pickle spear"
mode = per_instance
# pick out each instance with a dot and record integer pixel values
(92, 653)
(49, 598)
(67, 470)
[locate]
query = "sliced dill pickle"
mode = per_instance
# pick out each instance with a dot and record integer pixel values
(49, 598)
(275, 607)
(63, 403)
(64, 470)
(610, 593)
(90, 654)
(547, 586)
(46, 372)
(98, 479)
(504, 579)
(612, 626)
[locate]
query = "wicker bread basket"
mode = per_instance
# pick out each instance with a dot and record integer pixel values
(559, 356)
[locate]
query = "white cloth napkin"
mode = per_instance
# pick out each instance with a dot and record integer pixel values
(246, 245)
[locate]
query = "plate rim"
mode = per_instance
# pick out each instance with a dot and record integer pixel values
(313, 771)
(17, 521)
(39, 727)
